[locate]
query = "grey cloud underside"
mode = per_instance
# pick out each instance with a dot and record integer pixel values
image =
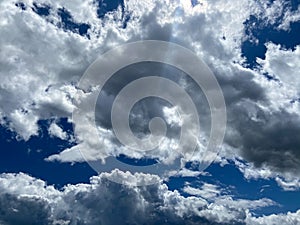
(24, 210)
(264, 137)
(105, 202)
(150, 107)
(273, 140)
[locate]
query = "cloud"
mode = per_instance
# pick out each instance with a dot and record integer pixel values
(99, 201)
(207, 191)
(40, 63)
(270, 139)
(289, 218)
(287, 181)
(283, 64)
(57, 131)
(159, 22)
(288, 184)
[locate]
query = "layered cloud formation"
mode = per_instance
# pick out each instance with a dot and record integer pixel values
(45, 47)
(31, 201)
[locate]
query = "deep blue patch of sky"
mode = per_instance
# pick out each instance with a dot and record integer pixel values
(105, 6)
(21, 5)
(136, 162)
(258, 29)
(41, 9)
(28, 157)
(194, 2)
(67, 23)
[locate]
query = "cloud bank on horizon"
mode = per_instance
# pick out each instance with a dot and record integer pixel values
(46, 46)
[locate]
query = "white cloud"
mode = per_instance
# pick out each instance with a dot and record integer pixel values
(57, 131)
(223, 208)
(289, 17)
(40, 63)
(98, 201)
(284, 65)
(24, 123)
(172, 117)
(37, 56)
(207, 191)
(183, 172)
(288, 219)
(288, 183)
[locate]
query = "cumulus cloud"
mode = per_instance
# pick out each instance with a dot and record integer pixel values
(39, 76)
(99, 201)
(283, 64)
(41, 61)
(289, 218)
(57, 131)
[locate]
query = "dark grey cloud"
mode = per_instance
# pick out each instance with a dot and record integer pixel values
(269, 139)
(16, 210)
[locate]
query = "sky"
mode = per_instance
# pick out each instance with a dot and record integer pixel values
(52, 168)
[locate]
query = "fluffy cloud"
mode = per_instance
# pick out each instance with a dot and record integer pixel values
(101, 200)
(57, 131)
(40, 62)
(289, 218)
(247, 92)
(283, 64)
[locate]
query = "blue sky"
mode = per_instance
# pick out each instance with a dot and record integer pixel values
(28, 155)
